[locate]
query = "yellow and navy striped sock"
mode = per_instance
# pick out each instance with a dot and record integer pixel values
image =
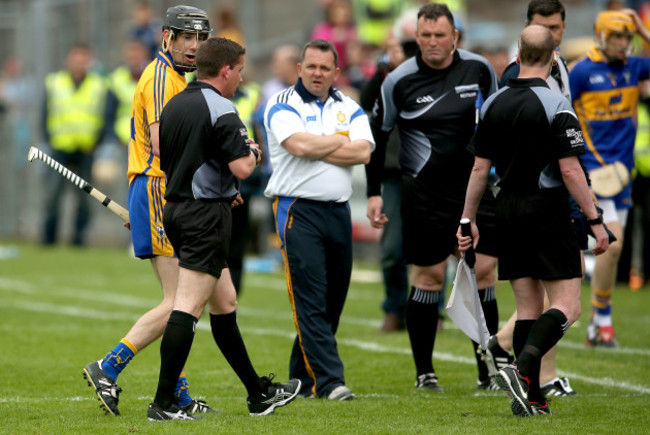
(116, 360)
(601, 303)
(182, 392)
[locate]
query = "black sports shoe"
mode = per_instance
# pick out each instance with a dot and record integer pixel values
(199, 407)
(559, 388)
(105, 387)
(509, 379)
(495, 357)
(535, 407)
(541, 409)
(428, 381)
(156, 413)
(275, 395)
(487, 384)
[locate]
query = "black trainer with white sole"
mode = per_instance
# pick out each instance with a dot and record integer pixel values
(107, 391)
(428, 381)
(275, 395)
(174, 412)
(199, 407)
(496, 357)
(559, 388)
(510, 380)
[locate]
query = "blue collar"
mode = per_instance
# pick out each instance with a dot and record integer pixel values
(308, 98)
(167, 58)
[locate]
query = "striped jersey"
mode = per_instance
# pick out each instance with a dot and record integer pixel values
(605, 98)
(159, 82)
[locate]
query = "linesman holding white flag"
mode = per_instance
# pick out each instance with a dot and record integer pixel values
(533, 138)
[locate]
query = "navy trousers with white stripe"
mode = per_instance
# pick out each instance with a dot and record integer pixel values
(317, 246)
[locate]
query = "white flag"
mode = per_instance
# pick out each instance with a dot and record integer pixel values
(464, 306)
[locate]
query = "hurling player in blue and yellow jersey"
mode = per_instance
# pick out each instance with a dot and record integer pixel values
(605, 91)
(184, 29)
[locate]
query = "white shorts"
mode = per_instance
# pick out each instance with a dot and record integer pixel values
(611, 214)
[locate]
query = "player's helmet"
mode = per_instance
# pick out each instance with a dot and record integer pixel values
(185, 19)
(608, 22)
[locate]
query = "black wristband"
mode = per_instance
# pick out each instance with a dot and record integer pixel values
(256, 153)
(597, 221)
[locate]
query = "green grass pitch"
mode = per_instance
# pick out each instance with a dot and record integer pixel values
(61, 308)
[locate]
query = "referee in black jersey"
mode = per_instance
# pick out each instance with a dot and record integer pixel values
(533, 137)
(204, 151)
(433, 98)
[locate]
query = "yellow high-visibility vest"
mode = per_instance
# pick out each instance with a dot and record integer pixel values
(246, 105)
(75, 115)
(123, 86)
(642, 142)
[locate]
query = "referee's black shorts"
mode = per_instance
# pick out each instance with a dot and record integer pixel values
(199, 231)
(430, 222)
(536, 236)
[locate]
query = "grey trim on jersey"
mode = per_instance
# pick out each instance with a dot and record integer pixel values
(217, 104)
(409, 66)
(207, 174)
(468, 55)
(418, 154)
(489, 101)
(554, 103)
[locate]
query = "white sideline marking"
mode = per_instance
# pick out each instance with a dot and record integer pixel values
(136, 302)
(16, 285)
(148, 398)
(607, 382)
(45, 399)
(280, 285)
(602, 350)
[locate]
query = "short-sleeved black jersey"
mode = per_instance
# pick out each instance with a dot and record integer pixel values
(525, 129)
(436, 111)
(200, 133)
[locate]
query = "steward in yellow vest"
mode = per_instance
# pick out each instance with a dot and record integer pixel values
(74, 120)
(123, 81)
(75, 112)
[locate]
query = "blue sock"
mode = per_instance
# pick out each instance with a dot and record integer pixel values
(182, 392)
(605, 311)
(116, 360)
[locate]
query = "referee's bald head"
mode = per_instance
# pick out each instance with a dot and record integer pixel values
(536, 46)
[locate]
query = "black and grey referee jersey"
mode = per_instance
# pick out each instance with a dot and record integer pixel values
(436, 112)
(525, 128)
(196, 168)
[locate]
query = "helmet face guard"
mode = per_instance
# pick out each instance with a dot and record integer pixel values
(613, 22)
(185, 20)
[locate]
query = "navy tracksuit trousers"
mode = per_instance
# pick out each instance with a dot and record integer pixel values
(317, 247)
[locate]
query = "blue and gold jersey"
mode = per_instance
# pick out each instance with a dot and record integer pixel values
(159, 82)
(605, 98)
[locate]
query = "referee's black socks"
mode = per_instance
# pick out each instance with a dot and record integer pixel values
(174, 349)
(488, 299)
(227, 336)
(422, 324)
(544, 333)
